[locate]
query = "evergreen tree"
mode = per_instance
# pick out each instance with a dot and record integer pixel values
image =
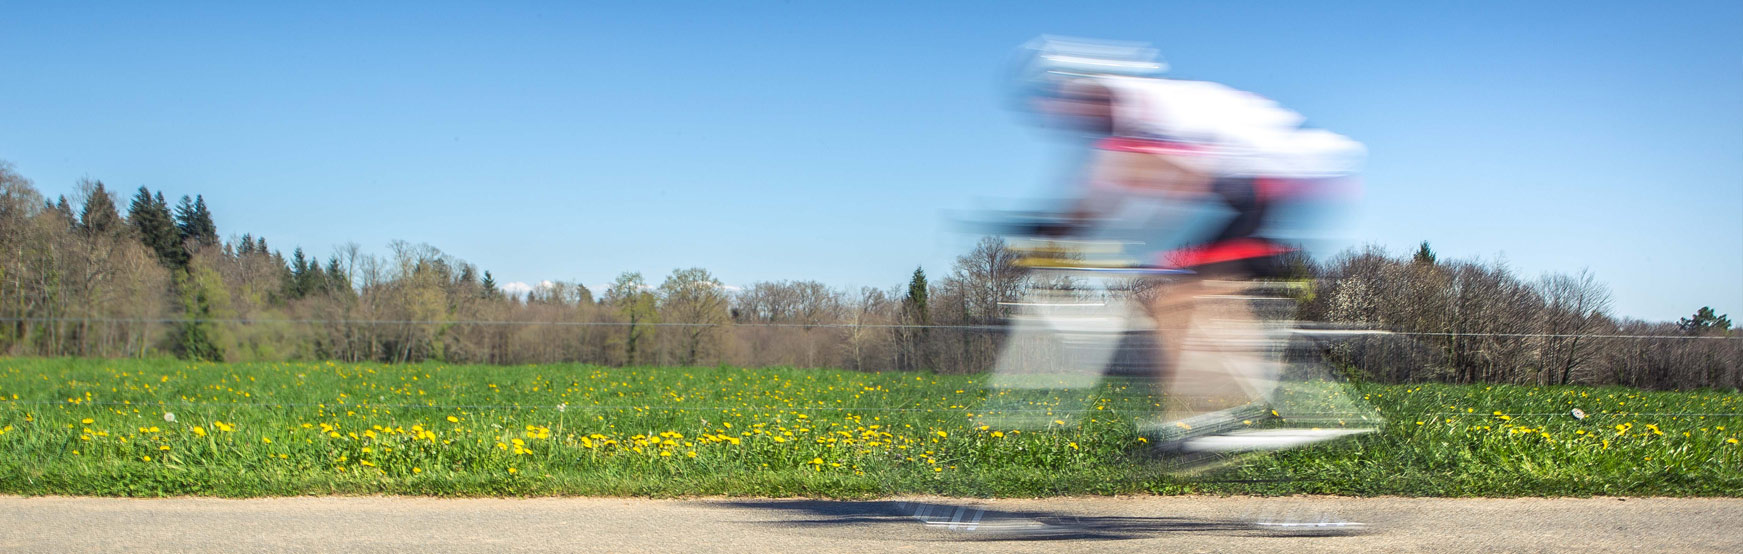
(194, 223)
(490, 286)
(246, 245)
(915, 303)
(205, 230)
(1704, 322)
(337, 280)
(313, 281)
(915, 341)
(99, 215)
(65, 210)
(203, 299)
(184, 214)
(1424, 255)
(152, 222)
(296, 282)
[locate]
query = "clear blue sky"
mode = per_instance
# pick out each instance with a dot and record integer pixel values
(800, 140)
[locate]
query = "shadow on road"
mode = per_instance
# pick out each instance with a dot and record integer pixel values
(932, 521)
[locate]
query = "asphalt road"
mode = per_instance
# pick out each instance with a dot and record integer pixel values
(1175, 524)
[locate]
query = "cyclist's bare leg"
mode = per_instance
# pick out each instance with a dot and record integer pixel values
(1214, 365)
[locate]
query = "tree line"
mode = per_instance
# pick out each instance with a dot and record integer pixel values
(82, 277)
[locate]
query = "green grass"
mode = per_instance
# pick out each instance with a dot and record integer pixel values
(99, 427)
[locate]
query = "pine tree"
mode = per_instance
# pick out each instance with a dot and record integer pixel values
(313, 281)
(65, 210)
(98, 215)
(1704, 322)
(1424, 255)
(915, 340)
(184, 215)
(205, 230)
(203, 300)
(194, 223)
(296, 282)
(915, 303)
(490, 286)
(337, 280)
(152, 223)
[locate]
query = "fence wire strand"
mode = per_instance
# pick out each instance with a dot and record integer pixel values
(669, 407)
(756, 324)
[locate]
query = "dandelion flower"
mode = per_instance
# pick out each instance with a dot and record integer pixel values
(87, 421)
(452, 419)
(170, 417)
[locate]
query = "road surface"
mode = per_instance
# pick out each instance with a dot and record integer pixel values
(1074, 525)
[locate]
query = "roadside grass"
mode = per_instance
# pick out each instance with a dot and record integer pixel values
(168, 427)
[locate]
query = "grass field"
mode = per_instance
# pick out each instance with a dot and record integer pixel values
(167, 427)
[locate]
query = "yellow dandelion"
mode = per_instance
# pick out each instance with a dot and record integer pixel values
(87, 421)
(452, 419)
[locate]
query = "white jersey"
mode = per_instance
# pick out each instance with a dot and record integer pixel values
(1245, 135)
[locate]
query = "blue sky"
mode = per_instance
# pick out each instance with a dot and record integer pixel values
(825, 141)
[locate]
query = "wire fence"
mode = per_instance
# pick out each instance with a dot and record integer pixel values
(743, 408)
(777, 325)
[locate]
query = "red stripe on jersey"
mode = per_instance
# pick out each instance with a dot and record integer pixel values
(1224, 251)
(1145, 146)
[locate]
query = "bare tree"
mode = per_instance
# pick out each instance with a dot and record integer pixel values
(1574, 306)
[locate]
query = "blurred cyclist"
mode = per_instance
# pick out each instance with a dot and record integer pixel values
(1188, 142)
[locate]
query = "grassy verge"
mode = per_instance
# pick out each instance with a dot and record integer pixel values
(166, 427)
